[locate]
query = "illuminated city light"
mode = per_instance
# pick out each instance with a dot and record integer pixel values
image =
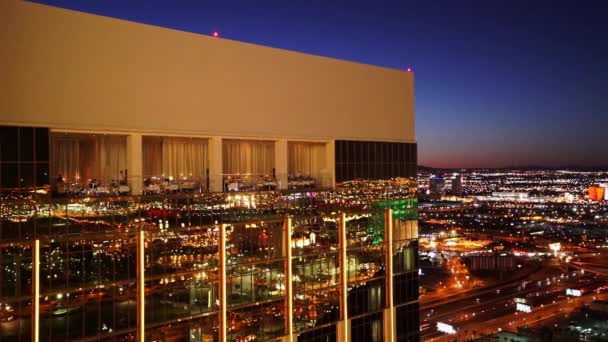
(523, 307)
(555, 247)
(573, 292)
(445, 328)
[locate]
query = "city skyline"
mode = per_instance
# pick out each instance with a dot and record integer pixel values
(497, 85)
(197, 172)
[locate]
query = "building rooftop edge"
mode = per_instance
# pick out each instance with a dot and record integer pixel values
(205, 36)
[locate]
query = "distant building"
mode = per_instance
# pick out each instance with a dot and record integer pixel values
(597, 193)
(490, 262)
(457, 184)
(605, 186)
(436, 186)
(508, 195)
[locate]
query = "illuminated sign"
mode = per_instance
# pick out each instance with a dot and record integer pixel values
(520, 300)
(555, 246)
(573, 292)
(523, 307)
(445, 328)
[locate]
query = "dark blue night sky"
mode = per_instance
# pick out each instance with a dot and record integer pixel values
(498, 83)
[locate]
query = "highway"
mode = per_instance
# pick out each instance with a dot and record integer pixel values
(486, 310)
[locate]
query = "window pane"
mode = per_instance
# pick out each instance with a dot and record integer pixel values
(352, 145)
(42, 144)
(42, 174)
(340, 152)
(10, 176)
(27, 175)
(407, 153)
(374, 153)
(9, 139)
(26, 144)
(414, 151)
(365, 152)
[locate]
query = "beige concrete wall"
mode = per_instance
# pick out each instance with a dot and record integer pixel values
(71, 70)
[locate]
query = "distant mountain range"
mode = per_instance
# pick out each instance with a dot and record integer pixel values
(526, 168)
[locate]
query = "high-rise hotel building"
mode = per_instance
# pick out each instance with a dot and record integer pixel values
(170, 186)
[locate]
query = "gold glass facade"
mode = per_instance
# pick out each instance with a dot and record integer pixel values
(89, 276)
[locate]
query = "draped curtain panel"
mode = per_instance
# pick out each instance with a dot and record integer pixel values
(65, 158)
(248, 157)
(113, 155)
(90, 161)
(80, 158)
(152, 148)
(184, 158)
(306, 159)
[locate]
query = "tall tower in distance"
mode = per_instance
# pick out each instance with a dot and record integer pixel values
(436, 186)
(457, 184)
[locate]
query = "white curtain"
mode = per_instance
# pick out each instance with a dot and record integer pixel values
(306, 159)
(152, 148)
(79, 158)
(65, 159)
(184, 158)
(103, 157)
(248, 157)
